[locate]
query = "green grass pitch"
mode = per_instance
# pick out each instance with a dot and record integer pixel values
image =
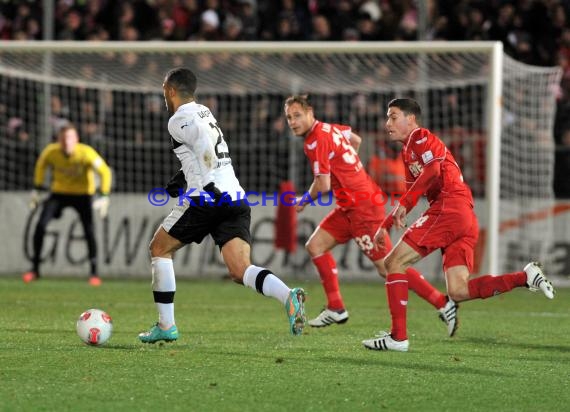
(511, 353)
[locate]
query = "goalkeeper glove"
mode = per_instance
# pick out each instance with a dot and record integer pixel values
(37, 196)
(177, 182)
(101, 205)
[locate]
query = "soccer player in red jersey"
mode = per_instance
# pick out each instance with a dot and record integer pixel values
(449, 224)
(331, 150)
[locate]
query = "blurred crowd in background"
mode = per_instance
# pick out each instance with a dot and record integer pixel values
(533, 31)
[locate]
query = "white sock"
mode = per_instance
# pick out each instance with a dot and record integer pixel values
(163, 287)
(265, 282)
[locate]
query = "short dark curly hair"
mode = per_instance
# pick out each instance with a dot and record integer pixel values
(408, 106)
(183, 80)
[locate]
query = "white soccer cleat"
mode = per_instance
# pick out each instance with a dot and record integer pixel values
(448, 314)
(384, 341)
(328, 317)
(535, 280)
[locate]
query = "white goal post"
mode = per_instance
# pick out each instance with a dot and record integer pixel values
(496, 112)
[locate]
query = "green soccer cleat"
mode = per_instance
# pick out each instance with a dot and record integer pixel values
(155, 334)
(296, 310)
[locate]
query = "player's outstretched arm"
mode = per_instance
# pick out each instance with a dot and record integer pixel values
(321, 184)
(101, 204)
(37, 196)
(379, 238)
(39, 193)
(400, 217)
(40, 168)
(430, 172)
(106, 176)
(355, 141)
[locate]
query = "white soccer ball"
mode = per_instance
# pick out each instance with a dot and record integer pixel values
(94, 327)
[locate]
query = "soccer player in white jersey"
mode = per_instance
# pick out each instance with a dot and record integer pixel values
(199, 144)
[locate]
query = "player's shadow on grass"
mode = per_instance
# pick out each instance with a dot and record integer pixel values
(453, 368)
(519, 345)
(375, 359)
(147, 346)
(517, 357)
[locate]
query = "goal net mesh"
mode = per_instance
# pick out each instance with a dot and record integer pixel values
(115, 99)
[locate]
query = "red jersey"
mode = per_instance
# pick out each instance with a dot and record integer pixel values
(423, 147)
(328, 148)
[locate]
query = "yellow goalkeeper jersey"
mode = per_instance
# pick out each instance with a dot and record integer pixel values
(75, 174)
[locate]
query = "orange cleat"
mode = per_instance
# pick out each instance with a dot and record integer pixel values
(29, 277)
(95, 281)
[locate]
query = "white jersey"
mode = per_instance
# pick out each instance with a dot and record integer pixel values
(199, 144)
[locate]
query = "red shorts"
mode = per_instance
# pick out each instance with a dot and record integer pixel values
(359, 224)
(449, 225)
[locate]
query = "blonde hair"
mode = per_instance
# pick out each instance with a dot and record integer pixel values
(301, 99)
(65, 128)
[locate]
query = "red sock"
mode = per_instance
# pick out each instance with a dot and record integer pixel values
(424, 289)
(326, 266)
(397, 291)
(486, 286)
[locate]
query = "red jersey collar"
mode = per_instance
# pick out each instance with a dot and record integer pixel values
(312, 128)
(409, 136)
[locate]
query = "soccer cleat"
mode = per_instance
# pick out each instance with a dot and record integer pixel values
(328, 317)
(30, 276)
(155, 334)
(296, 310)
(448, 314)
(95, 281)
(535, 280)
(384, 341)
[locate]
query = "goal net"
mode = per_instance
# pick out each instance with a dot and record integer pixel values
(112, 92)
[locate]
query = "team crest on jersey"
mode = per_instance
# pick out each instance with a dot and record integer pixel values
(413, 156)
(312, 146)
(415, 169)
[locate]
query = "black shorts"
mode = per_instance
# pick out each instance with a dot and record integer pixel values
(55, 203)
(192, 223)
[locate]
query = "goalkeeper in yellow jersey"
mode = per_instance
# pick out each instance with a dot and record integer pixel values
(73, 166)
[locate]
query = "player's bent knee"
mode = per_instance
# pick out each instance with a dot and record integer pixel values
(458, 292)
(154, 249)
(158, 248)
(455, 295)
(381, 268)
(394, 264)
(237, 271)
(312, 247)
